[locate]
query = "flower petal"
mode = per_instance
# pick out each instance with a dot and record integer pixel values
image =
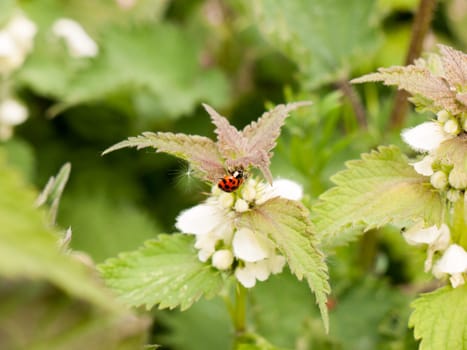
(245, 276)
(454, 260)
(288, 189)
(425, 137)
(200, 219)
(438, 237)
(423, 167)
(249, 247)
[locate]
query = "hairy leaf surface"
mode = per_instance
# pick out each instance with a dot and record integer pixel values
(380, 188)
(440, 320)
(164, 272)
(286, 223)
(201, 152)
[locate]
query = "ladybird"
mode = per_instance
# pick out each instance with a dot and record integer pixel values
(232, 182)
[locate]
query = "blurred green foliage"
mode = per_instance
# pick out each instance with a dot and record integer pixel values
(158, 60)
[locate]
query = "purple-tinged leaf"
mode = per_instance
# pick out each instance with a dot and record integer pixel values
(454, 66)
(201, 152)
(417, 80)
(230, 142)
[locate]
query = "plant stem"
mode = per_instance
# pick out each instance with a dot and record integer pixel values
(357, 106)
(240, 310)
(420, 28)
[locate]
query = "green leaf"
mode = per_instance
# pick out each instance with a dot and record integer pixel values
(326, 38)
(159, 58)
(286, 223)
(201, 152)
(380, 188)
(166, 272)
(53, 190)
(37, 316)
(440, 320)
(49, 299)
(29, 249)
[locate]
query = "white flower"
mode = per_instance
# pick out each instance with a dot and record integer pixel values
(23, 31)
(453, 262)
(259, 270)
(288, 189)
(452, 127)
(79, 43)
(200, 219)
(280, 188)
(12, 112)
(16, 41)
(424, 167)
(425, 137)
(250, 247)
(436, 239)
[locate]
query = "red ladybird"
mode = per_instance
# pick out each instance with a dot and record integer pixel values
(232, 182)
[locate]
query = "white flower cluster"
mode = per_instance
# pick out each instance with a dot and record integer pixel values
(427, 137)
(453, 260)
(16, 42)
(250, 255)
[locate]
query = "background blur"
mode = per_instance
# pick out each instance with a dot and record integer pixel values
(156, 62)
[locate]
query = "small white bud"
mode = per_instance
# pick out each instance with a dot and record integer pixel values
(222, 259)
(452, 127)
(443, 116)
(439, 180)
(458, 179)
(241, 205)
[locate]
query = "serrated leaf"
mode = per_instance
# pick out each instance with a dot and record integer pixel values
(440, 320)
(230, 142)
(442, 88)
(286, 223)
(164, 272)
(201, 152)
(454, 66)
(380, 188)
(261, 137)
(307, 33)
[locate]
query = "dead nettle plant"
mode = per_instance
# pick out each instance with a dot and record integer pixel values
(246, 229)
(426, 197)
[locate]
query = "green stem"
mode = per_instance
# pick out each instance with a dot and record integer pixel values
(240, 310)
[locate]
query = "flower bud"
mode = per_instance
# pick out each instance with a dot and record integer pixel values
(439, 180)
(443, 116)
(241, 205)
(452, 127)
(458, 179)
(222, 259)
